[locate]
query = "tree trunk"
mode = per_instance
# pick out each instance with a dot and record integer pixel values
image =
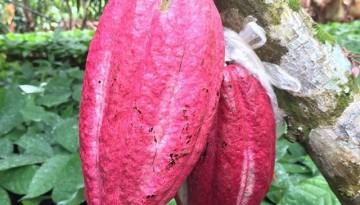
(70, 14)
(86, 13)
(30, 24)
(325, 115)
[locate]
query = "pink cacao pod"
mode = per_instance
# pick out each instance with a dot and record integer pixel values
(236, 168)
(150, 93)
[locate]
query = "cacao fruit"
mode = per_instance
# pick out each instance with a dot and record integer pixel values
(236, 168)
(150, 93)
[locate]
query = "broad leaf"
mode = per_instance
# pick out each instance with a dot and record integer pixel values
(4, 197)
(32, 112)
(76, 95)
(16, 133)
(172, 202)
(34, 145)
(76, 73)
(296, 168)
(262, 203)
(69, 181)
(77, 199)
(35, 201)
(290, 159)
(20, 160)
(17, 180)
(310, 164)
(6, 147)
(10, 104)
(282, 145)
(66, 134)
(281, 183)
(44, 179)
(59, 84)
(314, 191)
(281, 179)
(51, 100)
(296, 150)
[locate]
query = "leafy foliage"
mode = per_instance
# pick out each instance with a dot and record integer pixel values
(346, 34)
(40, 84)
(297, 179)
(42, 15)
(313, 191)
(39, 103)
(46, 48)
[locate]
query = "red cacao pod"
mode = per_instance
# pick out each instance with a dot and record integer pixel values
(150, 93)
(237, 165)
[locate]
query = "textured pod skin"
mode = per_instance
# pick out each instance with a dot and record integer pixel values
(150, 93)
(237, 165)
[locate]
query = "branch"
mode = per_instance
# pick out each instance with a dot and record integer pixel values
(316, 113)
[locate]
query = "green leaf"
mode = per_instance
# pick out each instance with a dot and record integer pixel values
(172, 202)
(263, 203)
(76, 95)
(295, 168)
(76, 73)
(59, 150)
(50, 100)
(20, 160)
(290, 159)
(35, 201)
(297, 150)
(310, 164)
(6, 147)
(35, 113)
(66, 134)
(44, 179)
(314, 191)
(299, 177)
(282, 145)
(275, 195)
(34, 145)
(68, 112)
(76, 200)
(16, 133)
(280, 184)
(4, 197)
(51, 119)
(281, 179)
(17, 180)
(69, 181)
(10, 104)
(59, 84)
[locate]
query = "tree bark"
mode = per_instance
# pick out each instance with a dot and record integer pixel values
(70, 14)
(30, 24)
(325, 115)
(86, 13)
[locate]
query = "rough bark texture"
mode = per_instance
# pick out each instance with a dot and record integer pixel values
(316, 113)
(30, 24)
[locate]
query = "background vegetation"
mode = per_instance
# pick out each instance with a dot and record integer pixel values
(40, 84)
(332, 10)
(44, 15)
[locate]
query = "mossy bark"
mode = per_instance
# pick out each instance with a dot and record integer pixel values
(328, 95)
